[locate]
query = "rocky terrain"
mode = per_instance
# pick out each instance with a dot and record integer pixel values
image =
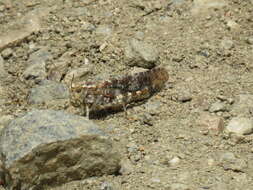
(196, 133)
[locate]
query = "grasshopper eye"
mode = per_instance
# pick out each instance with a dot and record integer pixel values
(78, 90)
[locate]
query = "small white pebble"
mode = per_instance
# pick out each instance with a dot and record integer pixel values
(174, 161)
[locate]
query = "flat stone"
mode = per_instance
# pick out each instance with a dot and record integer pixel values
(48, 92)
(240, 126)
(37, 65)
(140, 54)
(47, 148)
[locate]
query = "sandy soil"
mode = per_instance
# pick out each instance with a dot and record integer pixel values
(207, 48)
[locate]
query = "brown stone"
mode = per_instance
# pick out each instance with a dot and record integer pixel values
(211, 122)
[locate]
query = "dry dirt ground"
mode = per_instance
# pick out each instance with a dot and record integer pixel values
(207, 48)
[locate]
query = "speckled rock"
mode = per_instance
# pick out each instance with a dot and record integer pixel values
(48, 148)
(141, 54)
(48, 92)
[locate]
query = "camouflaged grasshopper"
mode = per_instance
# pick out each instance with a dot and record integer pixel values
(117, 93)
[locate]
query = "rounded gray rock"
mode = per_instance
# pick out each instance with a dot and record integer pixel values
(240, 125)
(48, 148)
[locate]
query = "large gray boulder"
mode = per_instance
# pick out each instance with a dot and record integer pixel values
(48, 148)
